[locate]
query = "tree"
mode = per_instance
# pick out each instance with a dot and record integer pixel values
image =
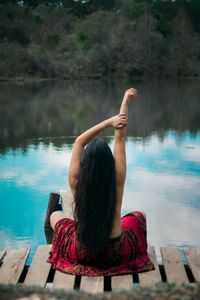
(184, 47)
(193, 9)
(147, 45)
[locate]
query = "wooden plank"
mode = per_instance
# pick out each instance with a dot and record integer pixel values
(150, 277)
(7, 252)
(52, 206)
(173, 265)
(13, 265)
(63, 280)
(124, 282)
(2, 254)
(193, 258)
(39, 269)
(92, 284)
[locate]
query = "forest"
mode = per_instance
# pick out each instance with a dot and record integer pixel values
(71, 39)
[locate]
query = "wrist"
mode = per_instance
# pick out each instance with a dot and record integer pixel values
(125, 101)
(107, 123)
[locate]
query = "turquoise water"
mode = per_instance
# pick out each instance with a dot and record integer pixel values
(163, 179)
(163, 156)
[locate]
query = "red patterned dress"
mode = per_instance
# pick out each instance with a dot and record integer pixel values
(125, 254)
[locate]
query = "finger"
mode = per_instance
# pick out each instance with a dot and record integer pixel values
(124, 123)
(132, 90)
(123, 119)
(133, 93)
(119, 126)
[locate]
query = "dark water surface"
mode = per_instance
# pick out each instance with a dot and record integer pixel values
(38, 125)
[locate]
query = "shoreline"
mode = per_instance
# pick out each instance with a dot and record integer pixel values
(38, 79)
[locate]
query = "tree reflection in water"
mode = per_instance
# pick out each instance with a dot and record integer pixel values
(56, 109)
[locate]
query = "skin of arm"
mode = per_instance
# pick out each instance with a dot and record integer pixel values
(120, 160)
(117, 121)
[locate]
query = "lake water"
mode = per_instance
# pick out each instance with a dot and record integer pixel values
(38, 125)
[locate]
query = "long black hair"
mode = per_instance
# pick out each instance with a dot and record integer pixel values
(95, 196)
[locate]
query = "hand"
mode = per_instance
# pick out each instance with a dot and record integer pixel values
(130, 94)
(118, 121)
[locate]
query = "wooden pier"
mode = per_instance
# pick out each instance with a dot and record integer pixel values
(13, 269)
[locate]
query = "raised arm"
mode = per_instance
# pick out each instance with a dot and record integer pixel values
(119, 150)
(82, 140)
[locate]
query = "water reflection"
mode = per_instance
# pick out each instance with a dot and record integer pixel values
(37, 129)
(163, 179)
(50, 109)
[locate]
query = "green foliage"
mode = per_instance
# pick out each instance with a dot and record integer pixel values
(51, 41)
(90, 30)
(14, 33)
(10, 14)
(81, 37)
(17, 61)
(162, 23)
(134, 25)
(135, 10)
(168, 9)
(37, 19)
(32, 3)
(81, 8)
(68, 26)
(8, 2)
(193, 9)
(25, 11)
(135, 72)
(145, 38)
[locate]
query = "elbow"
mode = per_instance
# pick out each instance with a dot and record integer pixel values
(78, 141)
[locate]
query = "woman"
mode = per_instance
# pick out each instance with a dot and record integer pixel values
(98, 241)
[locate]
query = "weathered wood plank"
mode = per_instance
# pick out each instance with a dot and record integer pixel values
(150, 277)
(63, 280)
(124, 282)
(39, 269)
(52, 206)
(2, 254)
(173, 265)
(92, 284)
(13, 265)
(7, 252)
(193, 258)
